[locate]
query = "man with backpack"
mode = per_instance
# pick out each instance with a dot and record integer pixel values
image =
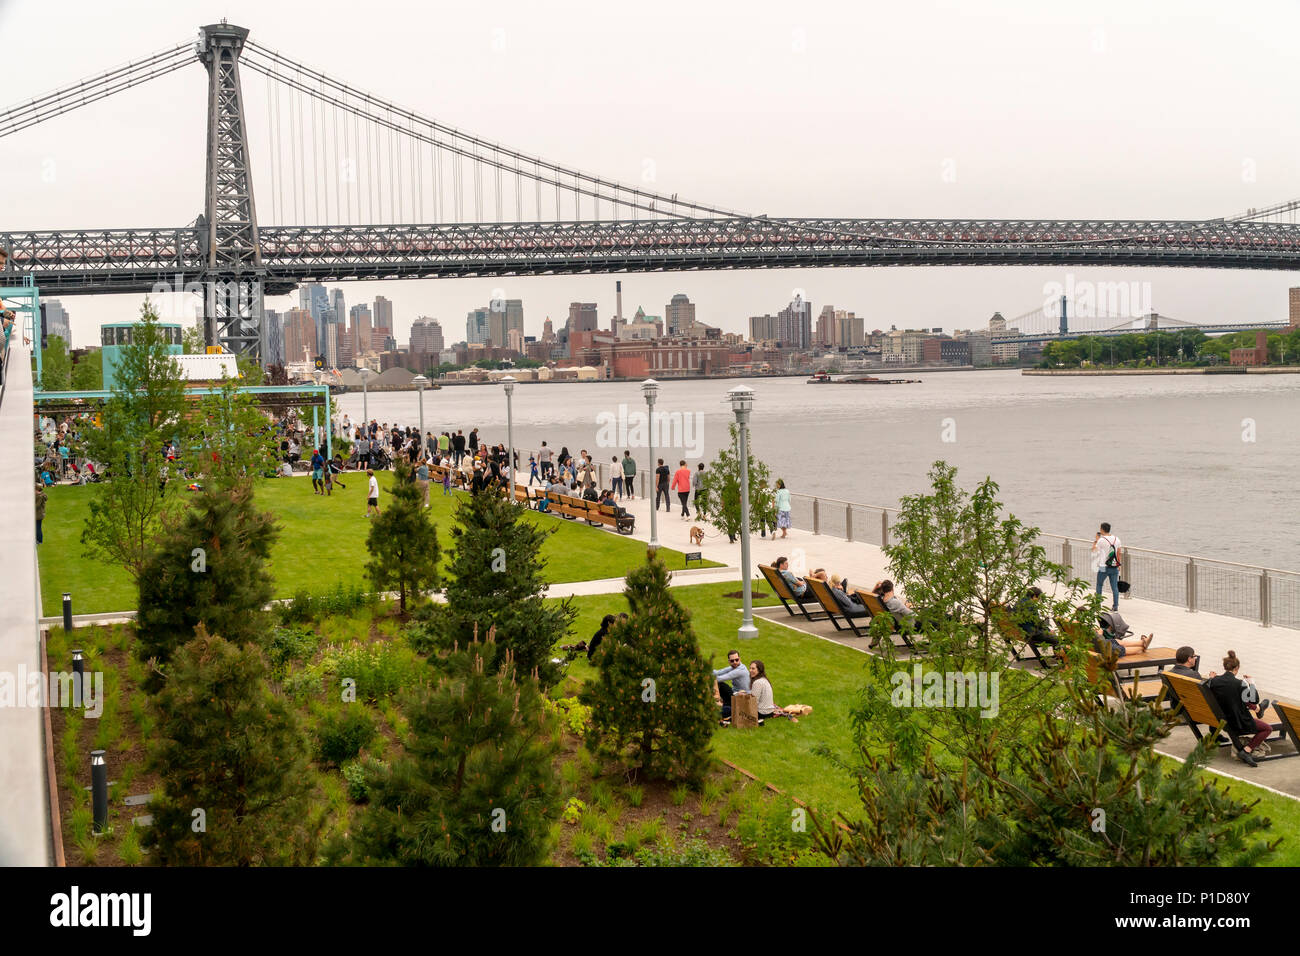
(1107, 557)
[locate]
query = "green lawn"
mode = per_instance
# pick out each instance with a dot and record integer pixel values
(808, 670)
(322, 543)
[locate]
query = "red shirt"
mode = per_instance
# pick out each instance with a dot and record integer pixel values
(682, 480)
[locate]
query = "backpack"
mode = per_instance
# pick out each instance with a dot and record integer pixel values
(1111, 558)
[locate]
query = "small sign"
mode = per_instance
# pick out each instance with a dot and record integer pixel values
(694, 556)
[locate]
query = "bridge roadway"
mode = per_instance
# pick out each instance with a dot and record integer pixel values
(25, 834)
(70, 262)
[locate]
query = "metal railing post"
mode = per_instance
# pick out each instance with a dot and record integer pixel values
(1265, 612)
(884, 527)
(848, 522)
(1066, 557)
(1191, 584)
(817, 516)
(1126, 573)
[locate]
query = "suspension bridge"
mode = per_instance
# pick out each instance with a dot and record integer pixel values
(362, 188)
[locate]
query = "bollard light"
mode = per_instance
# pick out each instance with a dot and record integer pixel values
(99, 789)
(67, 611)
(78, 677)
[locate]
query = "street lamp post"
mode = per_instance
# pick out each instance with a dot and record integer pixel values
(508, 383)
(365, 405)
(650, 389)
(742, 400)
(419, 382)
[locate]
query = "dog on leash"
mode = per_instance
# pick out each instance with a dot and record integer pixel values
(697, 535)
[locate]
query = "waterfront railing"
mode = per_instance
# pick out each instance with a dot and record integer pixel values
(1248, 592)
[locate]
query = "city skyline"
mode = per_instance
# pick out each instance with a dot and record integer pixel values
(934, 147)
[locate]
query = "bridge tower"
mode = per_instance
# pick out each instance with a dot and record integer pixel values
(227, 229)
(1065, 322)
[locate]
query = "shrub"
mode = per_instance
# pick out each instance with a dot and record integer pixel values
(380, 670)
(341, 734)
(290, 642)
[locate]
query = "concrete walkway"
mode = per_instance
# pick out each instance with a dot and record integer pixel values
(25, 835)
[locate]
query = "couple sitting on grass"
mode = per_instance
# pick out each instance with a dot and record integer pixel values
(736, 678)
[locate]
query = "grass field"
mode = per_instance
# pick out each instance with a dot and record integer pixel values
(322, 543)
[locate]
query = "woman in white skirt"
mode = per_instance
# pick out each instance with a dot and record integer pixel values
(782, 508)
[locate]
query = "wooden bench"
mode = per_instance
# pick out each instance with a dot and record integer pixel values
(777, 583)
(834, 613)
(1288, 715)
(623, 524)
(1199, 706)
(875, 607)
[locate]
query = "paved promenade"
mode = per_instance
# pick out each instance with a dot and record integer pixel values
(25, 836)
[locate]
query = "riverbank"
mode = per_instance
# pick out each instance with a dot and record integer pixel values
(1208, 370)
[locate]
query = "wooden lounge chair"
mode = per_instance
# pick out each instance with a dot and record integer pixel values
(875, 607)
(1288, 716)
(834, 613)
(786, 596)
(1015, 637)
(1200, 706)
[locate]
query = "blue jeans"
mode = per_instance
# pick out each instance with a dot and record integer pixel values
(1111, 574)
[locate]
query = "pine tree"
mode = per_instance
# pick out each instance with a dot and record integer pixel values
(496, 581)
(652, 704)
(233, 759)
(403, 543)
(478, 786)
(209, 567)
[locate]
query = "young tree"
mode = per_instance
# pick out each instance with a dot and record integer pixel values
(720, 489)
(496, 580)
(233, 758)
(206, 568)
(236, 440)
(652, 704)
(477, 787)
(403, 542)
(192, 342)
(88, 372)
(56, 365)
(146, 409)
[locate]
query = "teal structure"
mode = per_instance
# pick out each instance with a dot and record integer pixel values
(114, 335)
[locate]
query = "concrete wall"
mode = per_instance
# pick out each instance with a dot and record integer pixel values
(25, 835)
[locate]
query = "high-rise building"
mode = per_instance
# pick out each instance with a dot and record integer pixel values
(824, 332)
(680, 314)
(548, 330)
(794, 324)
(476, 326)
(329, 338)
(339, 306)
(383, 313)
(313, 298)
(504, 315)
(850, 330)
(426, 338)
(347, 354)
(1293, 313)
(582, 317)
(274, 337)
(361, 328)
(55, 321)
(299, 336)
(762, 328)
(515, 340)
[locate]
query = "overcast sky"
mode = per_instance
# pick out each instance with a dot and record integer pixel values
(927, 109)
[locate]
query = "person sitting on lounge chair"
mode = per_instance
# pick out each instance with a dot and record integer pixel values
(850, 604)
(1232, 694)
(796, 585)
(1188, 660)
(1116, 634)
(1029, 618)
(893, 603)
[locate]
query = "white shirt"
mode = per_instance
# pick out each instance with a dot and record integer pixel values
(762, 689)
(1101, 548)
(374, 487)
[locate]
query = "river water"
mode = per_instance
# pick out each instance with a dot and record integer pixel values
(1199, 464)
